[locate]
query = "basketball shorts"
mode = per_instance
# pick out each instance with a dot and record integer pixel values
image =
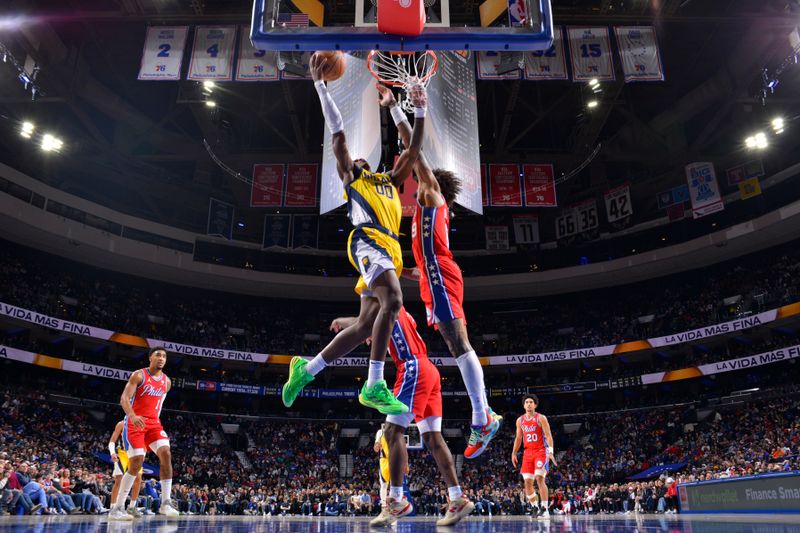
(137, 440)
(441, 287)
(535, 464)
(419, 386)
(372, 253)
(121, 466)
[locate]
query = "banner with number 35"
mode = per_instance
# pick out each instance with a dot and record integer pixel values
(162, 56)
(212, 55)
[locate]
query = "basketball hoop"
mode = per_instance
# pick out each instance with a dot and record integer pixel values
(403, 70)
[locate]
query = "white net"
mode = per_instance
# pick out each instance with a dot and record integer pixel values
(404, 70)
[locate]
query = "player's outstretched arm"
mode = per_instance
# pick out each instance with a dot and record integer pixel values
(405, 162)
(333, 119)
(517, 444)
(134, 381)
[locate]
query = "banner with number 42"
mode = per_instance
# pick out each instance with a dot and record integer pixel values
(618, 203)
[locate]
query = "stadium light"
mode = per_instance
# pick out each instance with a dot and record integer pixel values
(27, 129)
(778, 125)
(750, 142)
(594, 82)
(211, 103)
(592, 104)
(51, 143)
(761, 140)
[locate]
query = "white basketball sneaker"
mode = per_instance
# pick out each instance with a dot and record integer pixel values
(391, 512)
(167, 509)
(118, 513)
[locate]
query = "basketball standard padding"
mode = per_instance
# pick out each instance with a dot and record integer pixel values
(334, 68)
(401, 17)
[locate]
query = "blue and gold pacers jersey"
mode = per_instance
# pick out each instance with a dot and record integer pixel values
(374, 208)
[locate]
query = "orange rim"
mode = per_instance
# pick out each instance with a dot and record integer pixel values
(395, 83)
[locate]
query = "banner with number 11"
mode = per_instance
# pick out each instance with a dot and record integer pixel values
(212, 55)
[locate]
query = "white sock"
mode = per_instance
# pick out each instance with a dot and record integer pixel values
(124, 489)
(316, 365)
(166, 490)
(472, 374)
(396, 493)
(454, 493)
(375, 373)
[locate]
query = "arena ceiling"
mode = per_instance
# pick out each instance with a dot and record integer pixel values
(137, 147)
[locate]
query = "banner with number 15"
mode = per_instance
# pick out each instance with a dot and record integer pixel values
(162, 56)
(212, 55)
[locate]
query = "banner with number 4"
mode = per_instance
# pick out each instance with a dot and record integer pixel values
(162, 56)
(255, 65)
(212, 55)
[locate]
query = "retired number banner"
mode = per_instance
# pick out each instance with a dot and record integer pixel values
(618, 203)
(703, 189)
(212, 55)
(590, 52)
(526, 229)
(253, 64)
(301, 185)
(504, 185)
(550, 64)
(540, 186)
(162, 56)
(586, 215)
(489, 63)
(267, 187)
(638, 50)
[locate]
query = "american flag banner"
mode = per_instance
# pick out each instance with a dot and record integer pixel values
(292, 20)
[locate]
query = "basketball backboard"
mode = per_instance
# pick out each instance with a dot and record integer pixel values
(495, 25)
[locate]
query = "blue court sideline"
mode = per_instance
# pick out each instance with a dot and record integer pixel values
(558, 524)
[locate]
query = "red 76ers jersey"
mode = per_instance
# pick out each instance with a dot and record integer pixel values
(532, 434)
(150, 394)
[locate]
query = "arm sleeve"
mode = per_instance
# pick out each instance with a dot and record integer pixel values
(333, 118)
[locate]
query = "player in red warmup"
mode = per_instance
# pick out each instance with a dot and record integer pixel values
(533, 429)
(441, 284)
(418, 386)
(142, 401)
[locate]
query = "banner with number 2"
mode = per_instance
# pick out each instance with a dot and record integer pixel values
(212, 55)
(162, 56)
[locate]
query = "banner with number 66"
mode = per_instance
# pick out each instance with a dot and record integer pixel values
(162, 56)
(618, 203)
(212, 54)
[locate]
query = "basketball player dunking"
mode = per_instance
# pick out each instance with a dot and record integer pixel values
(120, 459)
(142, 401)
(418, 386)
(441, 284)
(533, 429)
(374, 208)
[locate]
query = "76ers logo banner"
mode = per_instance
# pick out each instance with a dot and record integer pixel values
(703, 189)
(638, 49)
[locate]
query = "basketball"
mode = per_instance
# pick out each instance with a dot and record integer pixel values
(335, 64)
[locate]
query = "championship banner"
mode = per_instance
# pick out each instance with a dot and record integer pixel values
(489, 64)
(301, 185)
(749, 188)
(766, 358)
(162, 56)
(590, 53)
(362, 126)
(703, 189)
(305, 231)
(618, 203)
(484, 186)
(267, 187)
(550, 64)
(212, 55)
(526, 229)
(638, 51)
(276, 231)
(540, 186)
(253, 64)
(220, 219)
(751, 169)
(504, 185)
